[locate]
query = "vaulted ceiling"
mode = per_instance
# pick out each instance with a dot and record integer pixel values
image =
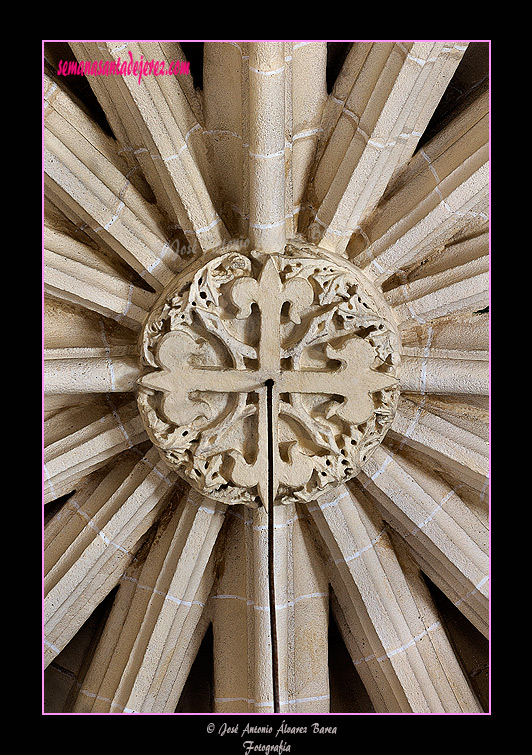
(157, 597)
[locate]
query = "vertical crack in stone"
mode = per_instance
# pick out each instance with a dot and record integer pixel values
(271, 556)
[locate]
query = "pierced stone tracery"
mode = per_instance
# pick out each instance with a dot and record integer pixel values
(305, 321)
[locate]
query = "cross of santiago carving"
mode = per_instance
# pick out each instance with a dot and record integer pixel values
(354, 379)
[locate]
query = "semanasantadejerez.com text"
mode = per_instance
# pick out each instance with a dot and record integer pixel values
(119, 67)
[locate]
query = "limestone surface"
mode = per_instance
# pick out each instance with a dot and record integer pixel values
(266, 378)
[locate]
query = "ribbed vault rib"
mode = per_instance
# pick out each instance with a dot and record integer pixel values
(85, 563)
(262, 124)
(462, 336)
(442, 191)
(267, 188)
(86, 447)
(461, 452)
(243, 679)
(241, 617)
(86, 373)
(429, 514)
(160, 605)
(394, 89)
(391, 643)
(86, 179)
(162, 131)
(74, 279)
(301, 606)
(438, 375)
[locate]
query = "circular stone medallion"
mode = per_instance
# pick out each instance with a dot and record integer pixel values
(269, 375)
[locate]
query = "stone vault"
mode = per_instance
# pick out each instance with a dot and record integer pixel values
(266, 344)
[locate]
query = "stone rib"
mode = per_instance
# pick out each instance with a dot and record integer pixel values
(439, 375)
(162, 137)
(225, 128)
(79, 375)
(302, 608)
(267, 184)
(79, 283)
(152, 677)
(93, 560)
(367, 579)
(463, 336)
(458, 450)
(436, 524)
(297, 105)
(243, 679)
(308, 95)
(389, 107)
(469, 413)
(82, 178)
(72, 329)
(134, 613)
(87, 447)
(462, 288)
(441, 192)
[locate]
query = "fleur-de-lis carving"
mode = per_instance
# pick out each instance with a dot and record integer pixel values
(182, 379)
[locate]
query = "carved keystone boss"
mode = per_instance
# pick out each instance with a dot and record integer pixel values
(269, 374)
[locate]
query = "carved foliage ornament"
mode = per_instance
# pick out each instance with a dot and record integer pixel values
(269, 376)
